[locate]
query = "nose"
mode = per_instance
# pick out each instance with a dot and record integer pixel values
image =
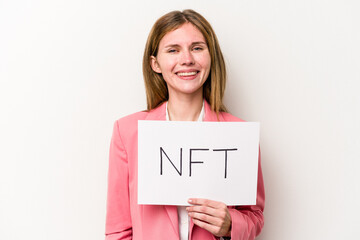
(187, 58)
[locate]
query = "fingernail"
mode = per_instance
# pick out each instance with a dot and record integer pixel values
(190, 200)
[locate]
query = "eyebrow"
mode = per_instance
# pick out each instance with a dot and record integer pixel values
(192, 44)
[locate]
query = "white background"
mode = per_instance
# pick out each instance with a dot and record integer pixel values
(69, 68)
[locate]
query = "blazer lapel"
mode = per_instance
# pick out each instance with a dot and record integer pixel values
(173, 215)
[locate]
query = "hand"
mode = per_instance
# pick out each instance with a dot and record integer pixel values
(210, 215)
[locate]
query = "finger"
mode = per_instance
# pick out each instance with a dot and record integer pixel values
(215, 230)
(207, 202)
(219, 213)
(206, 218)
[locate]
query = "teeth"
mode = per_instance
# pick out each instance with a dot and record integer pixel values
(186, 73)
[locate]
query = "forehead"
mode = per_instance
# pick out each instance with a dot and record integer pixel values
(185, 34)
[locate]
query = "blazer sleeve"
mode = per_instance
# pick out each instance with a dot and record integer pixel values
(118, 218)
(247, 221)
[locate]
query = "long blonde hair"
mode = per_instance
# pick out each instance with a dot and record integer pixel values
(156, 88)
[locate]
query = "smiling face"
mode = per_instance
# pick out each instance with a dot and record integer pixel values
(184, 60)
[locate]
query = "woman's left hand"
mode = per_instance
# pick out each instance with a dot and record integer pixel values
(210, 215)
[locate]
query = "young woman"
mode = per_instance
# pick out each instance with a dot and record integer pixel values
(185, 75)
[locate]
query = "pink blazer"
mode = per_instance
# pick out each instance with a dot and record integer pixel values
(126, 219)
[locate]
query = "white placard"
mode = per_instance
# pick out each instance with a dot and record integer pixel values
(212, 160)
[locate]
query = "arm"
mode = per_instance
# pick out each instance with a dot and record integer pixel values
(118, 218)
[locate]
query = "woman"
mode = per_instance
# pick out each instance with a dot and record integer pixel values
(184, 73)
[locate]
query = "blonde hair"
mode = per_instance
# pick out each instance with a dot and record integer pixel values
(156, 88)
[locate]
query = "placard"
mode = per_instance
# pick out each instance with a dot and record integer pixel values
(178, 160)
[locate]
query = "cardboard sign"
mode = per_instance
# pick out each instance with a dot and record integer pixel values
(212, 160)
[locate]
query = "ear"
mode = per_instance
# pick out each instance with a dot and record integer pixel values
(155, 65)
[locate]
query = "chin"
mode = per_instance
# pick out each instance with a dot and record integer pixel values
(189, 91)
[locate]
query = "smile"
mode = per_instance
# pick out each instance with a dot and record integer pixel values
(181, 74)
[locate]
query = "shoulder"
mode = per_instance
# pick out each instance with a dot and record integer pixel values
(130, 122)
(227, 117)
(126, 127)
(132, 119)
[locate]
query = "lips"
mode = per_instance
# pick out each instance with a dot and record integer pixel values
(187, 73)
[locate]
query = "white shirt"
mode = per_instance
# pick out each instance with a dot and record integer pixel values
(182, 213)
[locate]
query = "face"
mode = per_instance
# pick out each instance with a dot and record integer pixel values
(184, 60)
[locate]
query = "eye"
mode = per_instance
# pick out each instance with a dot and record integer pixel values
(171, 50)
(197, 48)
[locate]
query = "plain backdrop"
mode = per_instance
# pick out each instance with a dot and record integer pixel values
(69, 69)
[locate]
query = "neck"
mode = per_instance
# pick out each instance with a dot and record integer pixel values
(185, 108)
